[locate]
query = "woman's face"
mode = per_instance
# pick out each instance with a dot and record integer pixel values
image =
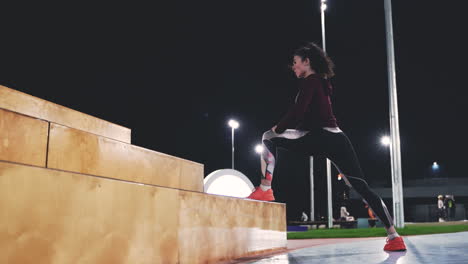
(300, 67)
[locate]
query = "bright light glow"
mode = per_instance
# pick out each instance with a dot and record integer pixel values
(230, 185)
(339, 177)
(233, 123)
(324, 6)
(385, 140)
(435, 166)
(324, 1)
(259, 149)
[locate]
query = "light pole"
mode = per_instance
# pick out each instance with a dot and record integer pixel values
(435, 169)
(385, 141)
(323, 7)
(395, 152)
(234, 125)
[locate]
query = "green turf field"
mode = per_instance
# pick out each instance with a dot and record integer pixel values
(410, 229)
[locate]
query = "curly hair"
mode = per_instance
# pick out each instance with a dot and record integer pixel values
(319, 60)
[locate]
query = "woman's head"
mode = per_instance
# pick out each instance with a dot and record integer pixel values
(310, 58)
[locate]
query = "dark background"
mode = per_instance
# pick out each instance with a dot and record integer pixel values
(176, 71)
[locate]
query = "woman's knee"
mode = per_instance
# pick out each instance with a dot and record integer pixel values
(268, 135)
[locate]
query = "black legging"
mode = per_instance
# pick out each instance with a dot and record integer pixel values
(339, 150)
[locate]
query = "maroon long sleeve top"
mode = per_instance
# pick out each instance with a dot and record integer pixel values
(312, 108)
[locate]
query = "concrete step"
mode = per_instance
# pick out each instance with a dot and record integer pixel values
(54, 217)
(77, 151)
(35, 107)
(36, 142)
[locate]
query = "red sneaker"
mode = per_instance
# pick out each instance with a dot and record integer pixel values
(259, 194)
(396, 244)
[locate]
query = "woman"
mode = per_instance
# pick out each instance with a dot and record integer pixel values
(310, 127)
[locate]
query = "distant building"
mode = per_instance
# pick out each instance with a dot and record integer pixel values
(420, 197)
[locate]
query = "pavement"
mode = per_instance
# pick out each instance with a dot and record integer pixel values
(440, 248)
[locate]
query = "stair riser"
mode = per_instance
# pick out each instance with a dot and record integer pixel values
(23, 139)
(78, 151)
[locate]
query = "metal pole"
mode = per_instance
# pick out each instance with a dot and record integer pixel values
(322, 12)
(323, 6)
(329, 195)
(312, 208)
(232, 130)
(395, 153)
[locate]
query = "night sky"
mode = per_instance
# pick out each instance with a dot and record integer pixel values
(176, 72)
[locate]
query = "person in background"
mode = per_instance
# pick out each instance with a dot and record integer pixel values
(441, 208)
(344, 214)
(450, 207)
(304, 217)
(371, 219)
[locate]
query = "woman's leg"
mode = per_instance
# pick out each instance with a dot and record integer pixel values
(338, 148)
(268, 160)
(341, 152)
(268, 157)
(335, 146)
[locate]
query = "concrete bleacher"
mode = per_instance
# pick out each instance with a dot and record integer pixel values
(73, 189)
(317, 224)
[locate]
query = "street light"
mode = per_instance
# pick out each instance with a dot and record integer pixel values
(259, 149)
(234, 125)
(435, 166)
(324, 5)
(385, 140)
